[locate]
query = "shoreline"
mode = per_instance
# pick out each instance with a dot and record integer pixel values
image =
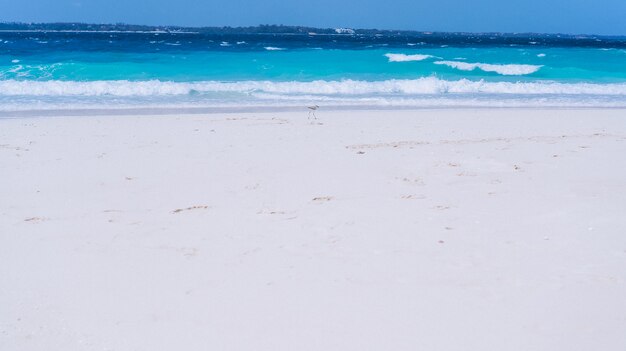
(195, 111)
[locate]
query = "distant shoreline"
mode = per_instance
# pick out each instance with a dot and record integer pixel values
(72, 27)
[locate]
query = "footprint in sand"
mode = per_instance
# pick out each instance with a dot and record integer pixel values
(271, 212)
(179, 210)
(322, 199)
(413, 197)
(34, 219)
(412, 180)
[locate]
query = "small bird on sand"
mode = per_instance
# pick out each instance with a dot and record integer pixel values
(312, 110)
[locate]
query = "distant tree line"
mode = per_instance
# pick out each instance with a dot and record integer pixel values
(279, 29)
(265, 28)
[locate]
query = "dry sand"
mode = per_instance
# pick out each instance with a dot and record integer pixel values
(471, 230)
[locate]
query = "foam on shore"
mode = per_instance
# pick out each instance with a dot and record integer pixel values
(419, 86)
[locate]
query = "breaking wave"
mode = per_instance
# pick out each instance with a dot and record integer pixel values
(406, 58)
(421, 86)
(506, 70)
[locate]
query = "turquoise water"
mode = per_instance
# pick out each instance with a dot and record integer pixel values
(78, 70)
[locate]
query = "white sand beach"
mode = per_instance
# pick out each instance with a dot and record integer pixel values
(481, 230)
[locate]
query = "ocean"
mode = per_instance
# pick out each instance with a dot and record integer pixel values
(91, 70)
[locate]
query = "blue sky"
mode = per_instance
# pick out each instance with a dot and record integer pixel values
(550, 16)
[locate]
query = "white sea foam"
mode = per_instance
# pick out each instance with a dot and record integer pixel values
(30, 71)
(15, 61)
(406, 58)
(273, 48)
(506, 70)
(541, 55)
(421, 86)
(425, 92)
